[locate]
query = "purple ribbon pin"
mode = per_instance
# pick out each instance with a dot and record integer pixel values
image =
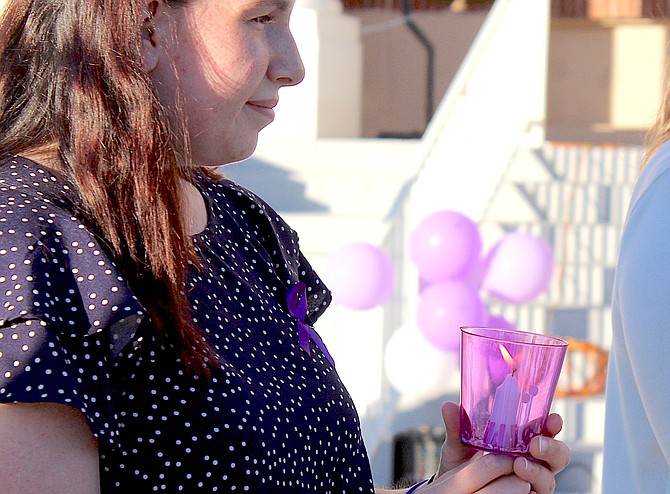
(297, 306)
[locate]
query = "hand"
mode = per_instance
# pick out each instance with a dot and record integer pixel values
(480, 474)
(552, 455)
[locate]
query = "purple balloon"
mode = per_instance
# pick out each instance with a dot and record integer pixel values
(518, 268)
(473, 276)
(360, 276)
(499, 322)
(444, 245)
(444, 307)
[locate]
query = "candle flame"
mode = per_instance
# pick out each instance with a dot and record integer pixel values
(506, 355)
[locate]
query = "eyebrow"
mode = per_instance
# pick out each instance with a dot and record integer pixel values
(279, 4)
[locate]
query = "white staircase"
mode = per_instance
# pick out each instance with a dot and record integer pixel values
(575, 196)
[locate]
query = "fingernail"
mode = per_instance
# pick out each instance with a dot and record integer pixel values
(526, 466)
(544, 444)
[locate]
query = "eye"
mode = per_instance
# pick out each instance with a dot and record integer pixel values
(264, 19)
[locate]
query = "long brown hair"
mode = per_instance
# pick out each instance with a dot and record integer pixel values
(72, 77)
(660, 130)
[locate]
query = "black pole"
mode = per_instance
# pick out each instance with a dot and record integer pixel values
(430, 52)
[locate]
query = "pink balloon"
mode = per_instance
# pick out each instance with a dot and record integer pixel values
(499, 322)
(360, 276)
(473, 276)
(444, 245)
(444, 307)
(519, 268)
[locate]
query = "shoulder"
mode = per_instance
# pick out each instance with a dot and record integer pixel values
(32, 199)
(223, 190)
(648, 214)
(652, 178)
(649, 206)
(643, 266)
(25, 177)
(236, 207)
(52, 267)
(38, 224)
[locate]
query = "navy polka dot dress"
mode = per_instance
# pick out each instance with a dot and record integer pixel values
(274, 418)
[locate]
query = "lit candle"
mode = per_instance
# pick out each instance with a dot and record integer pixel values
(501, 431)
(506, 402)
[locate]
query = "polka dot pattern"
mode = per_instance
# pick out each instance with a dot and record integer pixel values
(273, 417)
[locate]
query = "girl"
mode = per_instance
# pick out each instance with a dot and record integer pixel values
(156, 320)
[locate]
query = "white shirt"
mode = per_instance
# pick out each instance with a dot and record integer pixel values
(637, 423)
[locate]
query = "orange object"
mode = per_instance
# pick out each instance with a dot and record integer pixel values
(584, 370)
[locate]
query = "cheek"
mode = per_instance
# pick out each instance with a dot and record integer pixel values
(214, 80)
(219, 61)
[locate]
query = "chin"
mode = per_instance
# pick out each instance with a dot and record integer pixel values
(241, 149)
(228, 158)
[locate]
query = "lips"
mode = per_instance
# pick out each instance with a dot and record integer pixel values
(265, 108)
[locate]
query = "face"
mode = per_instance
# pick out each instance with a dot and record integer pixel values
(226, 59)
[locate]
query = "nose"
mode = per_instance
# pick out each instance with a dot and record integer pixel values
(287, 67)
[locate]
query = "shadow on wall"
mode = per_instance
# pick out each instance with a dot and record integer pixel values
(274, 184)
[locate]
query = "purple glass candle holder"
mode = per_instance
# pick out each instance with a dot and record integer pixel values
(508, 380)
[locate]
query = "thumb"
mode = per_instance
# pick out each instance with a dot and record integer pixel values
(454, 453)
(451, 415)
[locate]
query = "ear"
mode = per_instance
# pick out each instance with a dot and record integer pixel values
(150, 48)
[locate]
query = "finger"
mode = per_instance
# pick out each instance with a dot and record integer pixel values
(453, 453)
(555, 454)
(451, 415)
(539, 477)
(476, 474)
(553, 425)
(506, 485)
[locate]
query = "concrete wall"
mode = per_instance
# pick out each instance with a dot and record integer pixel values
(604, 84)
(395, 65)
(605, 79)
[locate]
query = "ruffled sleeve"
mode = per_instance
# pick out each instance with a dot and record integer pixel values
(65, 311)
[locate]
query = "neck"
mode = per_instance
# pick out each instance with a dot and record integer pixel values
(194, 210)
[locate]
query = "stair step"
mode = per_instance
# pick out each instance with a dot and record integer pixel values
(588, 163)
(557, 201)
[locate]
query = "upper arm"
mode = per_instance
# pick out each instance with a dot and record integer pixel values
(47, 448)
(643, 294)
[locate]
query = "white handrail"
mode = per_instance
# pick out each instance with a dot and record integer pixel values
(495, 97)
